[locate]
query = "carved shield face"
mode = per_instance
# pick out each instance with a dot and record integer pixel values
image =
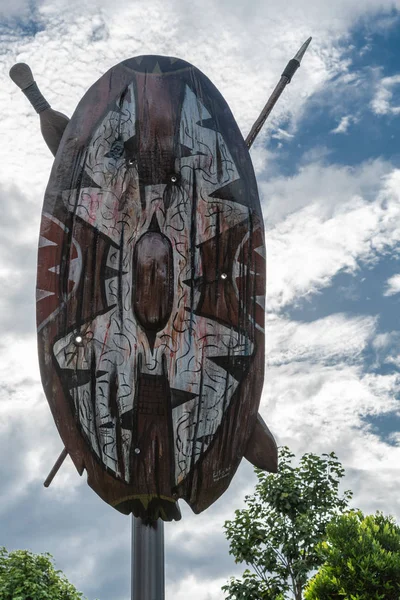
(151, 285)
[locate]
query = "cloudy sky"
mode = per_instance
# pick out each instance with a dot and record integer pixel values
(328, 168)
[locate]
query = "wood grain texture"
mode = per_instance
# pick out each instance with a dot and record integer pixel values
(150, 292)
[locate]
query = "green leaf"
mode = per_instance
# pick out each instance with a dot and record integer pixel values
(362, 559)
(279, 530)
(24, 574)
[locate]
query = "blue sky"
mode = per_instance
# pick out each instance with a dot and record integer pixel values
(328, 169)
(372, 55)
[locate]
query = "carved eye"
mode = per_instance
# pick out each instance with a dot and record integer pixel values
(117, 150)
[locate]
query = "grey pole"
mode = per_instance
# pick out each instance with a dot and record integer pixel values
(148, 572)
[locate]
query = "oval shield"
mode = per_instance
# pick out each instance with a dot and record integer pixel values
(150, 289)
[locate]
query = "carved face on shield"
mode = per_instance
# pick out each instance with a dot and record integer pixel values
(151, 301)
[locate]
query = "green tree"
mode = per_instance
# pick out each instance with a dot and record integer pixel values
(362, 560)
(27, 576)
(277, 533)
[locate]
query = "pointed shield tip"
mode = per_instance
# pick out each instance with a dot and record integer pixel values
(302, 50)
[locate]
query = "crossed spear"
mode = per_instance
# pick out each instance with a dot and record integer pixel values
(53, 124)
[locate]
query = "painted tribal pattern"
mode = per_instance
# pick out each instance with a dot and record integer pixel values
(158, 272)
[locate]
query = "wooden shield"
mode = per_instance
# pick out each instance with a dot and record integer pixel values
(150, 289)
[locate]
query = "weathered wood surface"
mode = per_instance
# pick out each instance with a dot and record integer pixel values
(150, 290)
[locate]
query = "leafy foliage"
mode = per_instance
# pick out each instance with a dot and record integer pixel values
(28, 576)
(362, 559)
(285, 519)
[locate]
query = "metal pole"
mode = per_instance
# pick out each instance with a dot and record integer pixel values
(148, 572)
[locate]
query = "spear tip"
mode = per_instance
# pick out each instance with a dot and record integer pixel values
(302, 50)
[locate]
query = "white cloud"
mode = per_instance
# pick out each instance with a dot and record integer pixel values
(281, 134)
(382, 341)
(336, 338)
(20, 9)
(381, 103)
(393, 285)
(327, 187)
(343, 125)
(308, 363)
(341, 227)
(322, 405)
(318, 394)
(206, 589)
(319, 407)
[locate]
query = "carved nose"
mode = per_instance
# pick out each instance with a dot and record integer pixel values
(153, 280)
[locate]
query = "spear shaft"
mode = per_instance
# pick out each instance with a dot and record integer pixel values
(286, 78)
(52, 122)
(56, 467)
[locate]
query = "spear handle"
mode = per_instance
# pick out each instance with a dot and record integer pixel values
(255, 130)
(286, 78)
(52, 122)
(56, 467)
(22, 76)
